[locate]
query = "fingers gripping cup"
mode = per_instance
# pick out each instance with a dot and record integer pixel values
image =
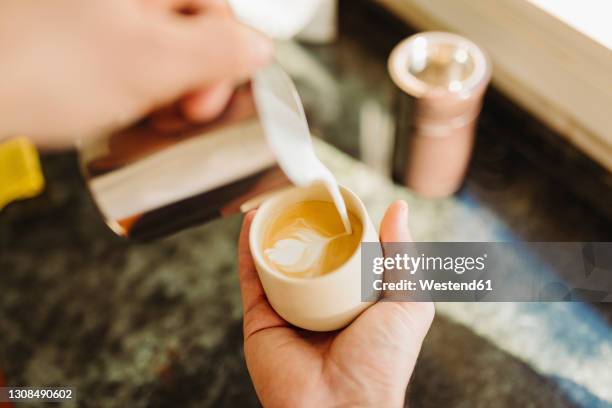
(310, 268)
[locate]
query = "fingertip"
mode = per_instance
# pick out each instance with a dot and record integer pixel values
(262, 48)
(400, 206)
(248, 218)
(245, 49)
(394, 226)
(251, 48)
(225, 49)
(250, 215)
(245, 230)
(206, 105)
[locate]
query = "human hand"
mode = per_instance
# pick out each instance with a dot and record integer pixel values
(368, 363)
(74, 68)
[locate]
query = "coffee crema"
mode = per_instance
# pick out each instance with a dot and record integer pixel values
(308, 239)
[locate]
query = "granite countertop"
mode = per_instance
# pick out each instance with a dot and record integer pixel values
(159, 323)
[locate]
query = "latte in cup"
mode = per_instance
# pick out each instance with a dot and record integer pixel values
(321, 292)
(308, 239)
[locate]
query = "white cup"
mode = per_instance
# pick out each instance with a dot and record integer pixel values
(323, 303)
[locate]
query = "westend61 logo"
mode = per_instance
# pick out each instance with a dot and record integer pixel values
(414, 264)
(487, 271)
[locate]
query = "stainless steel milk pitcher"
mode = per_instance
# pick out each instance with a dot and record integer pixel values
(149, 182)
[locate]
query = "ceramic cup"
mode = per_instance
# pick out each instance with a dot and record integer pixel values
(323, 303)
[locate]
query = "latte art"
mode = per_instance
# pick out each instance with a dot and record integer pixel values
(309, 240)
(301, 252)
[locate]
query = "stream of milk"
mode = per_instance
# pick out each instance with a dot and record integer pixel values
(286, 129)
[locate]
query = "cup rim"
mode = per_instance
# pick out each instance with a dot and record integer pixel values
(271, 202)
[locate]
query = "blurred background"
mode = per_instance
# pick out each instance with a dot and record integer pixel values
(158, 323)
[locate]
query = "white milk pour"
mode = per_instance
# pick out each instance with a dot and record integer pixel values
(282, 116)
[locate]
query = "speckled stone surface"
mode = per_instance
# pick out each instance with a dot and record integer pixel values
(134, 324)
(127, 324)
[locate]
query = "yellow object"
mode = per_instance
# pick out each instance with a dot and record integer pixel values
(20, 173)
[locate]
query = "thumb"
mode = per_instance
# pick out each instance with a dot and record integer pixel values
(416, 316)
(400, 326)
